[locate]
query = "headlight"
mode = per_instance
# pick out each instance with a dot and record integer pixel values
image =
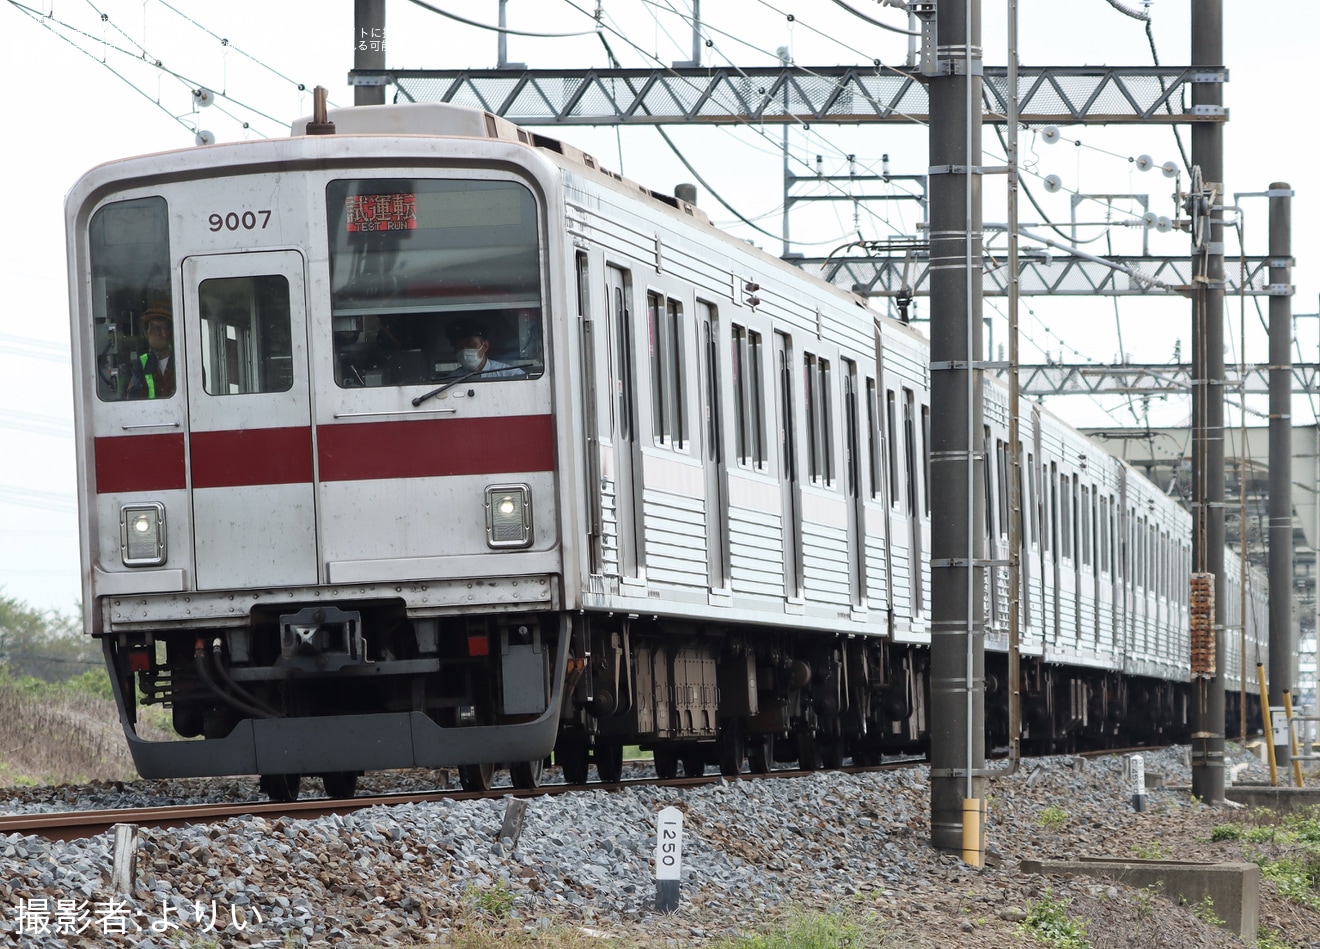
(508, 515)
(142, 534)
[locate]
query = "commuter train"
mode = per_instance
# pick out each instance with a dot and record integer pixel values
(424, 440)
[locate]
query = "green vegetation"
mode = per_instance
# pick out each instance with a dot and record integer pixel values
(1048, 923)
(803, 931)
(1052, 818)
(1205, 911)
(1289, 850)
(1149, 851)
(495, 901)
(43, 644)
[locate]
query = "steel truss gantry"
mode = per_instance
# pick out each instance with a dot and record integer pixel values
(715, 95)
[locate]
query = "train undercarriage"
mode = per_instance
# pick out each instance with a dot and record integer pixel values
(326, 686)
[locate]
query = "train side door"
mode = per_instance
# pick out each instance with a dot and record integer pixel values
(627, 461)
(713, 460)
(250, 435)
(853, 488)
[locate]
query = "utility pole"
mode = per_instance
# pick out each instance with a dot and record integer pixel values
(369, 48)
(1283, 640)
(1206, 200)
(957, 557)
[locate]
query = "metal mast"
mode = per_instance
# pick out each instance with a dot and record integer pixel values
(957, 674)
(1206, 204)
(1283, 639)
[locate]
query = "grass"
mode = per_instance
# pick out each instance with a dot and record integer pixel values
(64, 732)
(1052, 818)
(1289, 850)
(803, 931)
(1048, 923)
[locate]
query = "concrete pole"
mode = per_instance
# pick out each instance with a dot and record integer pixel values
(369, 47)
(1208, 396)
(957, 653)
(1283, 643)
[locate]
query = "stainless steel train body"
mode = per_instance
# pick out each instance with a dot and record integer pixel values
(683, 502)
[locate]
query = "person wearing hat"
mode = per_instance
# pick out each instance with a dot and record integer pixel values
(471, 346)
(153, 371)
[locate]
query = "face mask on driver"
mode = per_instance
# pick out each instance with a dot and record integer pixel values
(470, 358)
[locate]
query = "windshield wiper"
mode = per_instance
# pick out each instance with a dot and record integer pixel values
(447, 385)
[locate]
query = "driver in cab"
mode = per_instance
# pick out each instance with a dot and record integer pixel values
(472, 349)
(153, 372)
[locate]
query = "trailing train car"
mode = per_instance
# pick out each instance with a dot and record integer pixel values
(423, 440)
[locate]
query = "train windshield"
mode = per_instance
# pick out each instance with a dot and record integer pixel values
(433, 280)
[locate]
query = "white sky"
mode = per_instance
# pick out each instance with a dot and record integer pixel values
(68, 112)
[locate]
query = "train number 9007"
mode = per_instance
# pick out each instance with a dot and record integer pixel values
(234, 221)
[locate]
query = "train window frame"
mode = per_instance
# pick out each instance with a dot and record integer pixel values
(244, 356)
(406, 288)
(817, 390)
(747, 362)
(925, 458)
(1086, 525)
(874, 446)
(666, 351)
(891, 444)
(127, 281)
(910, 449)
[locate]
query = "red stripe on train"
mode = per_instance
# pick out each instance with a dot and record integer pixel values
(368, 451)
(140, 463)
(247, 457)
(433, 448)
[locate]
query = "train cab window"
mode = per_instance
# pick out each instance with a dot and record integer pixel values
(132, 307)
(749, 398)
(434, 280)
(246, 340)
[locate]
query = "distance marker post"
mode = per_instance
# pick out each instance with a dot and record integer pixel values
(1138, 783)
(668, 858)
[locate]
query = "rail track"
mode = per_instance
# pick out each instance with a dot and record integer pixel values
(71, 825)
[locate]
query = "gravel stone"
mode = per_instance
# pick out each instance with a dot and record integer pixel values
(753, 851)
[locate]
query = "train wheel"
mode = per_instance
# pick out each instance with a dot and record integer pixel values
(476, 777)
(282, 788)
(808, 750)
(733, 748)
(760, 754)
(609, 760)
(831, 752)
(573, 757)
(340, 783)
(666, 764)
(527, 774)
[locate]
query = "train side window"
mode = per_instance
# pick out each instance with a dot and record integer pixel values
(1001, 470)
(129, 254)
(987, 486)
(247, 344)
(749, 398)
(925, 457)
(1086, 525)
(1052, 531)
(1033, 503)
(873, 437)
(820, 448)
(891, 429)
(664, 325)
(910, 449)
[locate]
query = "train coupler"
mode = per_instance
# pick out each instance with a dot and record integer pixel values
(321, 639)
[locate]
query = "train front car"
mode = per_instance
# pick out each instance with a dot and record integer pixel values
(317, 451)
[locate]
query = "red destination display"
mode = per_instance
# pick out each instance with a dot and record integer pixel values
(381, 212)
